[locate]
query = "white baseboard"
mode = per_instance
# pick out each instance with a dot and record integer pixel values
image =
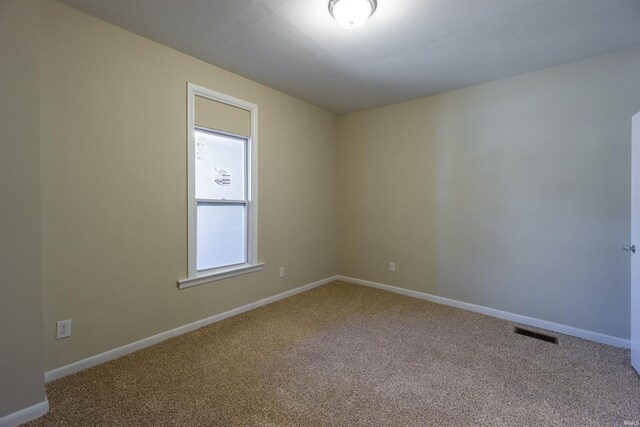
(26, 414)
(80, 365)
(146, 342)
(517, 318)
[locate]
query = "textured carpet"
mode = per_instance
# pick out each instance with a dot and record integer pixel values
(346, 355)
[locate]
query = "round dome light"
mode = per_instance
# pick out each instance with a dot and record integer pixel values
(351, 13)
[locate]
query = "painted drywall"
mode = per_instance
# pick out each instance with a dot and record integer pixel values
(514, 194)
(114, 183)
(21, 365)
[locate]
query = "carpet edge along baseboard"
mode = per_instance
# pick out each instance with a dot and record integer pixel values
(115, 353)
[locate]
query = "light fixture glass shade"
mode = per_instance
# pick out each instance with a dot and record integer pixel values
(351, 13)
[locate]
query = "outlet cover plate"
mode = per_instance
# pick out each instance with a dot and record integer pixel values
(63, 329)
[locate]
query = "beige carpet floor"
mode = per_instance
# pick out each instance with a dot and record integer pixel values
(346, 355)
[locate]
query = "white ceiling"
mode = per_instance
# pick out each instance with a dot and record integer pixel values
(408, 49)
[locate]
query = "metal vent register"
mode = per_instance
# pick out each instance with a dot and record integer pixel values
(536, 335)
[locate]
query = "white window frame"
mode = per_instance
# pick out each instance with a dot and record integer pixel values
(205, 276)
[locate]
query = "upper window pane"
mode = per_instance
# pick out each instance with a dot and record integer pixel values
(220, 166)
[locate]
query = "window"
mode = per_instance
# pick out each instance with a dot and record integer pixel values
(222, 187)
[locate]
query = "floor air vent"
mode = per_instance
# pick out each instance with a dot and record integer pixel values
(536, 335)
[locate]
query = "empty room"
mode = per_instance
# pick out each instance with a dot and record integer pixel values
(320, 212)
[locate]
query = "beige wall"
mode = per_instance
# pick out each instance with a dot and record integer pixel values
(114, 188)
(513, 194)
(21, 367)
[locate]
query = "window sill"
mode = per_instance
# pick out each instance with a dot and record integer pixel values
(220, 274)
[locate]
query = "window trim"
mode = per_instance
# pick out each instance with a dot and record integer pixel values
(201, 277)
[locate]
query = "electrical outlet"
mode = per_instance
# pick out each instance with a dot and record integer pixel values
(63, 329)
(392, 267)
(281, 272)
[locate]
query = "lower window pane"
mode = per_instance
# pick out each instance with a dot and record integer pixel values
(221, 235)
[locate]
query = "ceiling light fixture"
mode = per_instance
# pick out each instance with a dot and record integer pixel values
(351, 13)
